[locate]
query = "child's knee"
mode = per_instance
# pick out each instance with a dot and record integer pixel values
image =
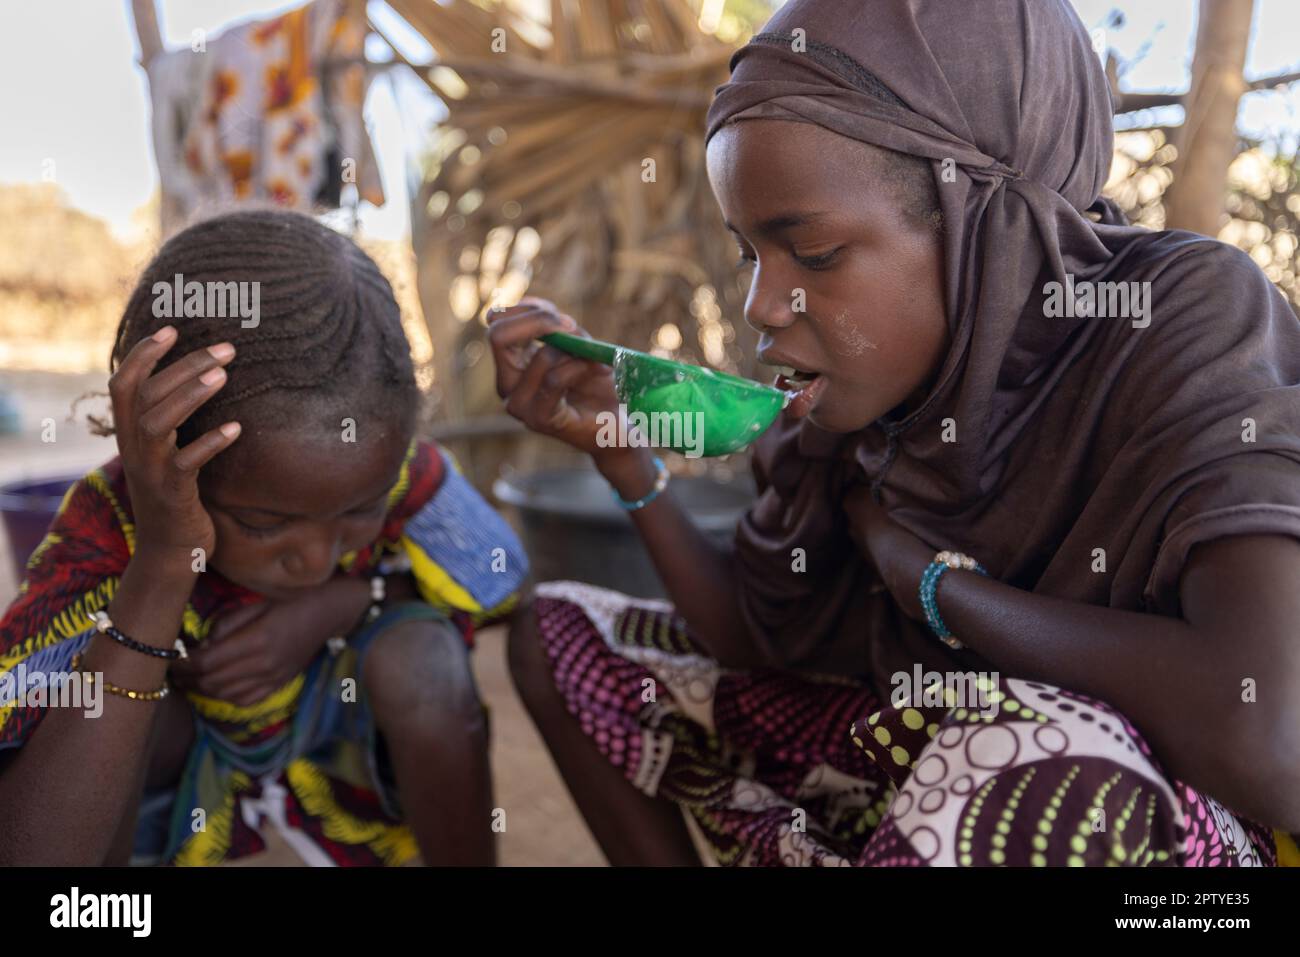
(417, 677)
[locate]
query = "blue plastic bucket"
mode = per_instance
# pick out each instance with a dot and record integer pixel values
(28, 508)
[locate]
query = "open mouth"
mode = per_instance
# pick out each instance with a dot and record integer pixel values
(802, 388)
(790, 379)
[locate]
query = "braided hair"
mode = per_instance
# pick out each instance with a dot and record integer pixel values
(328, 342)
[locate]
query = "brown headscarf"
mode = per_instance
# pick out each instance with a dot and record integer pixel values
(1072, 434)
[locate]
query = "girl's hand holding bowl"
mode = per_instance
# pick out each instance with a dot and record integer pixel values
(549, 391)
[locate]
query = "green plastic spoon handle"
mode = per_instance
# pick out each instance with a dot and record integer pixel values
(582, 347)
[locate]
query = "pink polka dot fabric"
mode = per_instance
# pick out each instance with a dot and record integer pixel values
(779, 768)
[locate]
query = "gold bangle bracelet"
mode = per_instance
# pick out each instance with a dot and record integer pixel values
(89, 677)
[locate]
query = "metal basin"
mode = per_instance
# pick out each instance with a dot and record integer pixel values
(573, 529)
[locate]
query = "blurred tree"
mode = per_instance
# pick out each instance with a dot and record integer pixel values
(1203, 175)
(1207, 140)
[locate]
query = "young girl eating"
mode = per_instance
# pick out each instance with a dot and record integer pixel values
(273, 585)
(1019, 586)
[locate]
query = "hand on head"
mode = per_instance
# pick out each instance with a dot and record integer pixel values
(148, 408)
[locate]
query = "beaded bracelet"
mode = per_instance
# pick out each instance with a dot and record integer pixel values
(104, 624)
(661, 483)
(378, 594)
(930, 583)
(89, 678)
(394, 564)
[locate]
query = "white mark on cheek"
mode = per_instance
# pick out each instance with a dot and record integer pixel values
(850, 340)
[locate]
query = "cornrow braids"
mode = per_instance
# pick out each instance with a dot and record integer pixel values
(326, 342)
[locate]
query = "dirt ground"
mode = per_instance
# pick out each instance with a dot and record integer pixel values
(543, 826)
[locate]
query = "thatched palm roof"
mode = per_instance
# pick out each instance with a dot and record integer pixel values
(571, 164)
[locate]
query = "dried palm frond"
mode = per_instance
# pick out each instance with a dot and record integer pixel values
(571, 165)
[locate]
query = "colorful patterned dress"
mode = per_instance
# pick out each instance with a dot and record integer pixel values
(302, 761)
(784, 768)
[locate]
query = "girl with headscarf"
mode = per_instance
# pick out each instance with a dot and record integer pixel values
(1019, 586)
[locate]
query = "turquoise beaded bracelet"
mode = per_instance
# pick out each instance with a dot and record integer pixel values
(661, 483)
(930, 583)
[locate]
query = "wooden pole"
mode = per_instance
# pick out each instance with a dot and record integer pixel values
(1207, 140)
(145, 15)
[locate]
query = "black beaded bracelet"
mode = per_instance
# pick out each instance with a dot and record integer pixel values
(105, 626)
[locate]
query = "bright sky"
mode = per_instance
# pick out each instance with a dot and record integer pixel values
(71, 92)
